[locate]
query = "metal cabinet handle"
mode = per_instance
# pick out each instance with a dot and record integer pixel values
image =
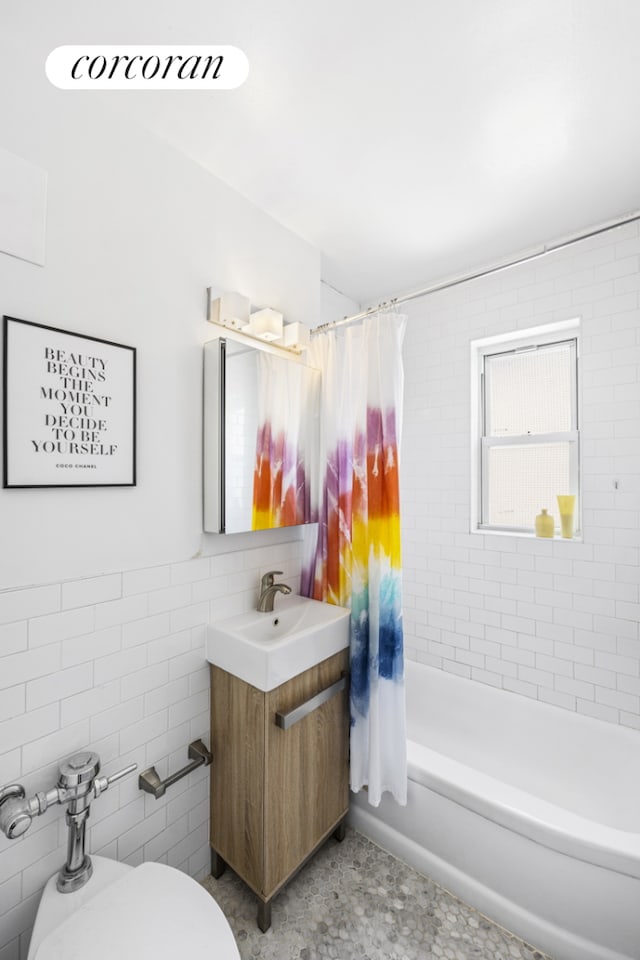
(286, 720)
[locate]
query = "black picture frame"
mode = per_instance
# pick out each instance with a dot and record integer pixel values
(69, 408)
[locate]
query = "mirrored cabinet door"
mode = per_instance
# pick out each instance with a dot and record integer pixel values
(261, 439)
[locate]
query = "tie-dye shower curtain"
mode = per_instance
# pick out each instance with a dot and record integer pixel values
(354, 558)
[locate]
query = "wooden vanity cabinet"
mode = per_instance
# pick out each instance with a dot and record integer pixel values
(279, 778)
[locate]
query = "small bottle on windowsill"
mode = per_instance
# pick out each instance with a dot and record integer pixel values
(544, 524)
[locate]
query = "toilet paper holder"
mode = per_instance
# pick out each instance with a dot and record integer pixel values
(150, 782)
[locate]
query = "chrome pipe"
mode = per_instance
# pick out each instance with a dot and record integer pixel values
(77, 823)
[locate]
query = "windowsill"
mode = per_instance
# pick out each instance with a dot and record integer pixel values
(487, 532)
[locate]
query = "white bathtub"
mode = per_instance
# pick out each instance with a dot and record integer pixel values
(528, 812)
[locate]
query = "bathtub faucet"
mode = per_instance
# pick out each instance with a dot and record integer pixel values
(268, 590)
(78, 784)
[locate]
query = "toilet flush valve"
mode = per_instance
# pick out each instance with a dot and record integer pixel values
(78, 781)
(78, 784)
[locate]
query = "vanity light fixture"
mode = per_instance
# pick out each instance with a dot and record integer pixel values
(233, 312)
(266, 325)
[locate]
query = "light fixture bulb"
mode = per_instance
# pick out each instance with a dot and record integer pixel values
(230, 310)
(266, 324)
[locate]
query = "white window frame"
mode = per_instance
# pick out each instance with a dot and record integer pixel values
(481, 443)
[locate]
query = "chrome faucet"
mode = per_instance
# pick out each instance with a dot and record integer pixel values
(78, 784)
(268, 590)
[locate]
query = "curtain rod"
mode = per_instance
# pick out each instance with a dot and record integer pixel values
(487, 271)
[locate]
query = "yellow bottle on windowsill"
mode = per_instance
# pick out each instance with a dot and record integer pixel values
(544, 524)
(566, 505)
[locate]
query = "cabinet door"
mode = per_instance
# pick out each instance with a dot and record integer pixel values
(306, 769)
(237, 775)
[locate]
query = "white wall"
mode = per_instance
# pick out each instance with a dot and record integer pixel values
(557, 621)
(135, 234)
(335, 305)
(104, 593)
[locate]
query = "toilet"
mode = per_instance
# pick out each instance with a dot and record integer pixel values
(130, 913)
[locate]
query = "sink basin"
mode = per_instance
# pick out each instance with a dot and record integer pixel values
(267, 649)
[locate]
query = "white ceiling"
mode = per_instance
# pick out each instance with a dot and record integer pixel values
(408, 141)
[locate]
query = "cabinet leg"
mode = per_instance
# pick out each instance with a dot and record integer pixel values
(218, 865)
(340, 831)
(264, 915)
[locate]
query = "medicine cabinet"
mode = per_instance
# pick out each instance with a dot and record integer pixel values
(261, 438)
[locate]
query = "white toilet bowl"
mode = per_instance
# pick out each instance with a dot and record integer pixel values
(129, 913)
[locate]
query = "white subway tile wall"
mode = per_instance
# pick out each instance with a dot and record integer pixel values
(553, 620)
(115, 664)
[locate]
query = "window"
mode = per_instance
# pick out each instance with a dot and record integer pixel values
(527, 447)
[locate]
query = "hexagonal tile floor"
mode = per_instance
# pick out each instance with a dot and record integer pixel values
(354, 901)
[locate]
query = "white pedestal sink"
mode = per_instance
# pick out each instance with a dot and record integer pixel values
(267, 649)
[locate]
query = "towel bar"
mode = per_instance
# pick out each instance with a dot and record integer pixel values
(150, 782)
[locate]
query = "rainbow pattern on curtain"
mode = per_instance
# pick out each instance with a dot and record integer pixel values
(356, 559)
(376, 559)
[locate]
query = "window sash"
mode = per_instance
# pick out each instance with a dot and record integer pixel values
(571, 437)
(529, 348)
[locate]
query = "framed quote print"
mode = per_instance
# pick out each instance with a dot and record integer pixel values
(69, 409)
